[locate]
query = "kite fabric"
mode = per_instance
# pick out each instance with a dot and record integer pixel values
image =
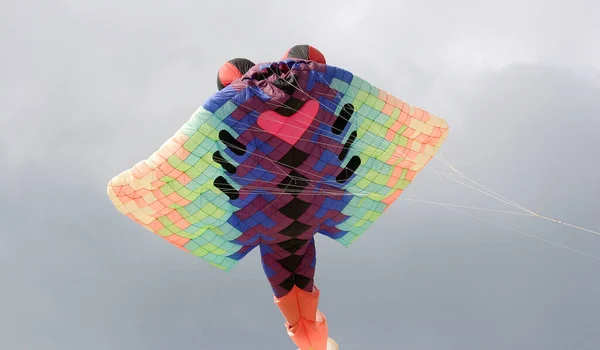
(292, 148)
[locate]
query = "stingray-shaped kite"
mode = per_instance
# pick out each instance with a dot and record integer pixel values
(283, 151)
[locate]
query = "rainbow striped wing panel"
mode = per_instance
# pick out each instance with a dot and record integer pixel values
(172, 192)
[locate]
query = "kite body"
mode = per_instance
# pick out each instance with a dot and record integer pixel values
(291, 149)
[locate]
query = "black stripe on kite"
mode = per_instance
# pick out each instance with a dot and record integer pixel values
(342, 120)
(234, 145)
(349, 170)
(222, 184)
(223, 162)
(347, 146)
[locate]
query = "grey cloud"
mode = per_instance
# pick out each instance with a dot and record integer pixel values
(90, 88)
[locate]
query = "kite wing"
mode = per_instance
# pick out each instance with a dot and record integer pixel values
(172, 193)
(389, 139)
(329, 146)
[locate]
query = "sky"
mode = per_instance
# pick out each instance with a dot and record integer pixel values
(89, 88)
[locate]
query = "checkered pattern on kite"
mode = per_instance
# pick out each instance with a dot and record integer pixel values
(261, 163)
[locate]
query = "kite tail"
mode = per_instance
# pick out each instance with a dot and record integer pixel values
(306, 325)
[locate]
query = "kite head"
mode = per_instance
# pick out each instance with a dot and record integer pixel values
(305, 52)
(232, 70)
(235, 68)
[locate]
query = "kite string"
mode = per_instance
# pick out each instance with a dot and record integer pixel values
(486, 190)
(476, 189)
(522, 232)
(499, 197)
(557, 221)
(445, 162)
(460, 174)
(418, 199)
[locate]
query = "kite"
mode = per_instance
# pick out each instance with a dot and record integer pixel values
(282, 151)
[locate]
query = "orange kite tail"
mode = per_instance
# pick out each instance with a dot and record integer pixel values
(306, 325)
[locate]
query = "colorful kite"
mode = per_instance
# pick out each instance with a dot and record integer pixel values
(283, 151)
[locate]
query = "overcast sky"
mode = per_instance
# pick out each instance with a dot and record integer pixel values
(89, 88)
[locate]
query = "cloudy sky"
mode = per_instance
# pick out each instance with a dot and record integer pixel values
(89, 88)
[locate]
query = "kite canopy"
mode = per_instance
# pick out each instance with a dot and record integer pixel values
(292, 149)
(232, 70)
(305, 52)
